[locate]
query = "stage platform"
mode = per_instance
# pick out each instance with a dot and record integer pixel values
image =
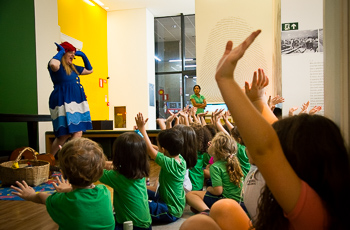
(104, 137)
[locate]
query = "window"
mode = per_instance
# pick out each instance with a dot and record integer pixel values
(175, 62)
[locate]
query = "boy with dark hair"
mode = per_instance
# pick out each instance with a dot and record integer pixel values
(80, 204)
(168, 205)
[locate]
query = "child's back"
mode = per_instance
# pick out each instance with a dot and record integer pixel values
(172, 172)
(87, 206)
(220, 177)
(171, 179)
(226, 171)
(169, 205)
(130, 198)
(80, 204)
(196, 173)
(82, 208)
(128, 181)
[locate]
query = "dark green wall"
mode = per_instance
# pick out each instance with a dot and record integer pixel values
(18, 81)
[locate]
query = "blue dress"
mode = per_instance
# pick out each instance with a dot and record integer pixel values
(69, 108)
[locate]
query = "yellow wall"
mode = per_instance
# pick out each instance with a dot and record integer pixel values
(88, 24)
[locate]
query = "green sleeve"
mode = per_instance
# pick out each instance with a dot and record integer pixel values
(215, 175)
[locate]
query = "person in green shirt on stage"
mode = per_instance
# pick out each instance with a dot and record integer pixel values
(198, 100)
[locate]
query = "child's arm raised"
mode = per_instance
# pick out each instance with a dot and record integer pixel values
(28, 193)
(225, 116)
(259, 136)
(140, 122)
(217, 119)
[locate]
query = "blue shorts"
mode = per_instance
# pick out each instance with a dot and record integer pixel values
(158, 209)
(209, 199)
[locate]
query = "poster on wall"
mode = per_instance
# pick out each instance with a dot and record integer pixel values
(302, 55)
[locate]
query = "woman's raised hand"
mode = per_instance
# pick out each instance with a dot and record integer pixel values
(60, 48)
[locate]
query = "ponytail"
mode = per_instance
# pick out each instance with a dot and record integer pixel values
(234, 170)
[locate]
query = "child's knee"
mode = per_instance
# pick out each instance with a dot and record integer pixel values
(200, 222)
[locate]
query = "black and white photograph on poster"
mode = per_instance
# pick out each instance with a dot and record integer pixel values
(299, 42)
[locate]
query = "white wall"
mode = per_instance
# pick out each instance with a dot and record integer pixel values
(302, 73)
(130, 45)
(47, 32)
(223, 20)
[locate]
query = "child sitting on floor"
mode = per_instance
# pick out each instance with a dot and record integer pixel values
(226, 175)
(168, 205)
(189, 152)
(196, 173)
(80, 204)
(130, 167)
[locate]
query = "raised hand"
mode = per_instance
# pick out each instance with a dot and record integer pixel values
(184, 114)
(186, 109)
(213, 117)
(315, 110)
(60, 48)
(304, 107)
(170, 119)
(226, 115)
(140, 122)
(86, 61)
(202, 114)
(193, 111)
(256, 90)
(62, 185)
(228, 62)
(292, 110)
(276, 100)
(79, 53)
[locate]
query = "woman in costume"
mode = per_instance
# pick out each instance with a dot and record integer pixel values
(69, 108)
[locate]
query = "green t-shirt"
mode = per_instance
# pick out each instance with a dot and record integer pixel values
(196, 174)
(198, 100)
(171, 179)
(206, 158)
(130, 198)
(220, 177)
(82, 209)
(243, 159)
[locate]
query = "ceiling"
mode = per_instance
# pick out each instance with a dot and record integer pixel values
(166, 29)
(158, 8)
(169, 29)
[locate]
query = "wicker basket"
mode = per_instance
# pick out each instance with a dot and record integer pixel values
(35, 175)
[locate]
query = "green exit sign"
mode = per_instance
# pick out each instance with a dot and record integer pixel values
(290, 26)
